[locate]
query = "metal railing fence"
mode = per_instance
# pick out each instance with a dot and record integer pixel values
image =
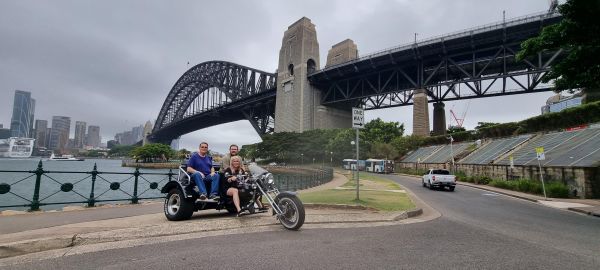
(102, 187)
(91, 187)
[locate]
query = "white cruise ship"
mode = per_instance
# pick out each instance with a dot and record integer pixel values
(14, 147)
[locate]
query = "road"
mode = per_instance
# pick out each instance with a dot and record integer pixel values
(476, 230)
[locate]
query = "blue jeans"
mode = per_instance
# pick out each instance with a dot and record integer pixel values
(214, 180)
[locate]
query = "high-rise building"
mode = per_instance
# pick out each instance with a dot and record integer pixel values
(21, 122)
(4, 133)
(41, 127)
(48, 132)
(79, 134)
(59, 137)
(93, 136)
(137, 133)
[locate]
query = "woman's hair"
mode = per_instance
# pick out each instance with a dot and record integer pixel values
(238, 158)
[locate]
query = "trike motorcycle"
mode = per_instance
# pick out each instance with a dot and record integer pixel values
(182, 198)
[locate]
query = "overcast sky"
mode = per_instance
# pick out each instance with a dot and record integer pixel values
(112, 63)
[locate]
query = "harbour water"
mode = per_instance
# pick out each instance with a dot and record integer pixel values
(22, 184)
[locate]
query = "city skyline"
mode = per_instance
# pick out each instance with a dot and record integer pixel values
(114, 69)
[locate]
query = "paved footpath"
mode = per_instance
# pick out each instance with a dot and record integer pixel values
(34, 232)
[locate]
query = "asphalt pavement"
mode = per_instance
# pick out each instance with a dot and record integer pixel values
(473, 229)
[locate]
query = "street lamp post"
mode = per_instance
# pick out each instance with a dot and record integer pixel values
(452, 152)
(331, 160)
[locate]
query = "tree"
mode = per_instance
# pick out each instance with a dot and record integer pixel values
(577, 35)
(152, 151)
(182, 154)
(383, 151)
(455, 129)
(121, 150)
(481, 125)
(405, 144)
(377, 130)
(341, 147)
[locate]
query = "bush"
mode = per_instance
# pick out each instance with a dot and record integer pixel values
(502, 184)
(557, 190)
(460, 176)
(481, 180)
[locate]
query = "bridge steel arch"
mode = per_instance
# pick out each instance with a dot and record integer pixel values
(213, 93)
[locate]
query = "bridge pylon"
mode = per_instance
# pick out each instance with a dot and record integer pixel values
(439, 119)
(298, 104)
(420, 113)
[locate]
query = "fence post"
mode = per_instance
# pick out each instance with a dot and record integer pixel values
(92, 200)
(35, 203)
(134, 199)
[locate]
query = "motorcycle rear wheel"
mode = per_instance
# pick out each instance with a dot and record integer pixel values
(293, 214)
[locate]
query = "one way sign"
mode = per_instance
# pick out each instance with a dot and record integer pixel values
(358, 118)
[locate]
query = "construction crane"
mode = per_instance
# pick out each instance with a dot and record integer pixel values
(460, 121)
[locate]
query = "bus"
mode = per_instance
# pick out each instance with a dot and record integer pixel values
(350, 164)
(380, 165)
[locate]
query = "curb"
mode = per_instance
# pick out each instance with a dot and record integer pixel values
(582, 211)
(32, 246)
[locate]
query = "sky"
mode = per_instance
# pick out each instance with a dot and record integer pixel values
(112, 63)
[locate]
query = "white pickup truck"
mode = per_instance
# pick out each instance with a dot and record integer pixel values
(439, 179)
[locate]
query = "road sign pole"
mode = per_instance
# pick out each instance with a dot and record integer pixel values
(357, 178)
(358, 122)
(539, 151)
(542, 178)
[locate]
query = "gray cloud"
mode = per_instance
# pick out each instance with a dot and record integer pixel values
(112, 63)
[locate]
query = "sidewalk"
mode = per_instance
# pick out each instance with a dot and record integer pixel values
(94, 226)
(585, 206)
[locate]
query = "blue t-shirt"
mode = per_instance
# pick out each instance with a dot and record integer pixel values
(201, 164)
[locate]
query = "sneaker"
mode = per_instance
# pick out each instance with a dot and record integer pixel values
(202, 196)
(214, 197)
(239, 214)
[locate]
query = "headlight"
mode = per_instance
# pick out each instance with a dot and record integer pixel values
(270, 178)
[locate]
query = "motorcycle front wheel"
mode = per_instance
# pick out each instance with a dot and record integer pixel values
(292, 216)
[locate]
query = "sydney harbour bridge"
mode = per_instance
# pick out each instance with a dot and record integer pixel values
(474, 63)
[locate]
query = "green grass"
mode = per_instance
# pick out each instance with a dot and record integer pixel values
(369, 177)
(380, 199)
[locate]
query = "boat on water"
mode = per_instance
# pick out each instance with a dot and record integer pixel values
(15, 147)
(64, 158)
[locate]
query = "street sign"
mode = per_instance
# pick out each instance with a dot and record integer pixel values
(358, 118)
(539, 151)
